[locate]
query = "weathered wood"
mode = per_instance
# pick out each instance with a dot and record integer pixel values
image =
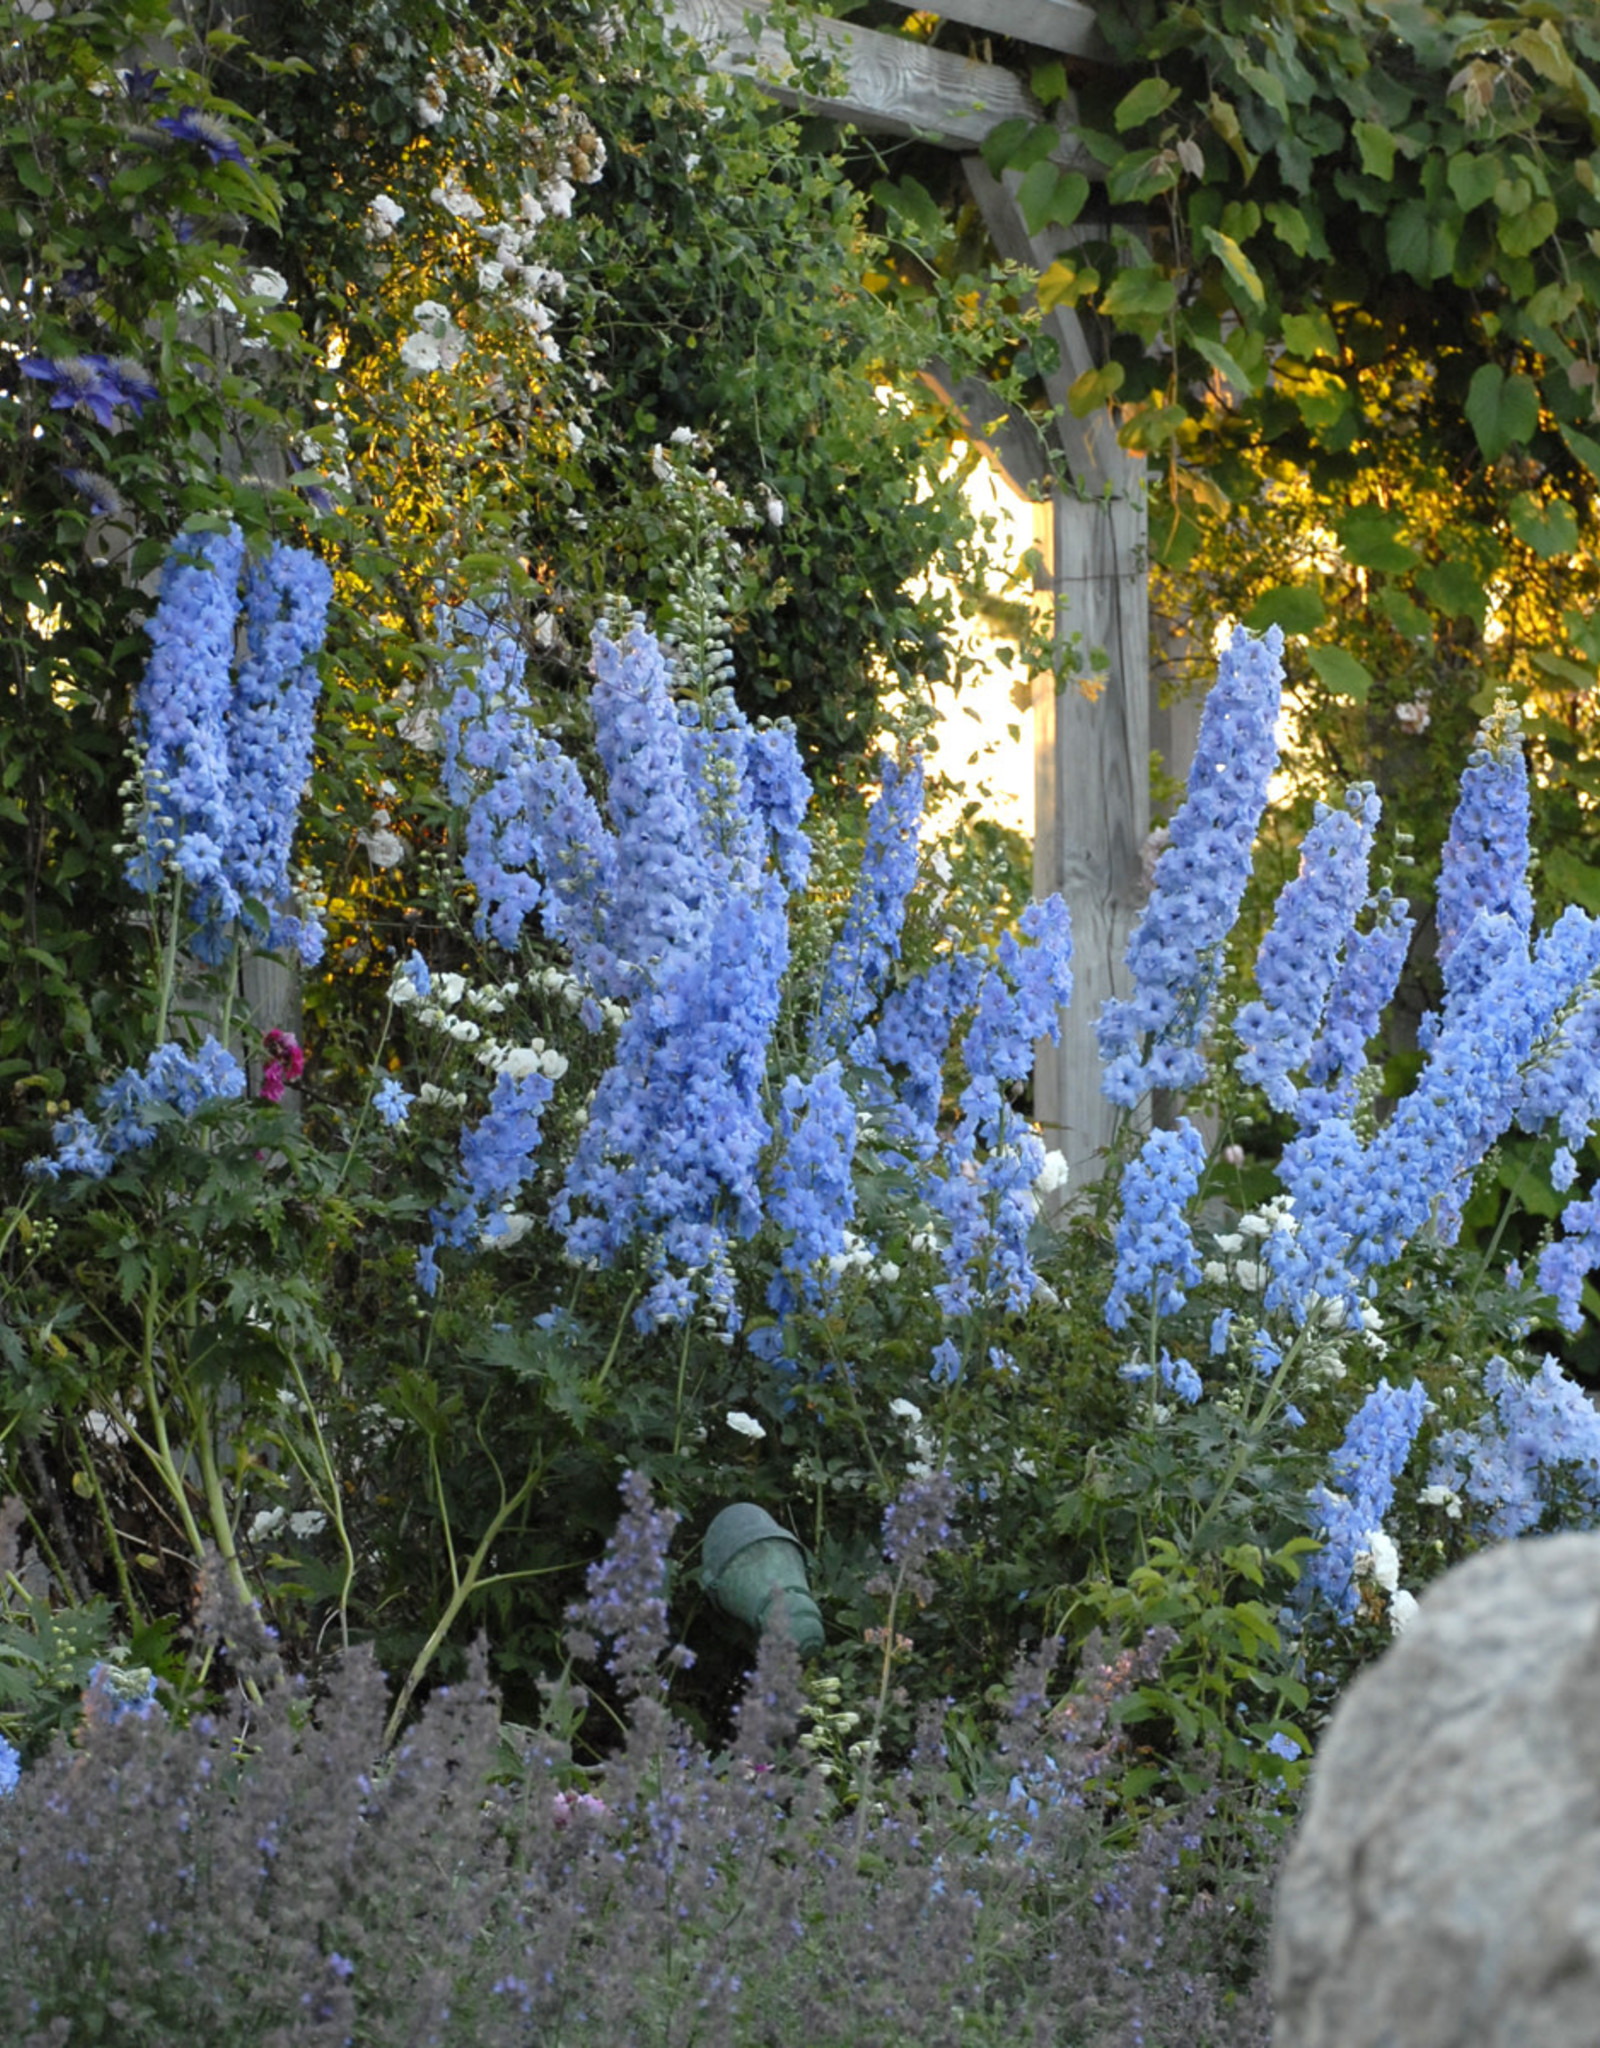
(1066, 26)
(1008, 439)
(886, 83)
(1091, 751)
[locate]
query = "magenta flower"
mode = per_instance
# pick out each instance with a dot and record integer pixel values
(285, 1064)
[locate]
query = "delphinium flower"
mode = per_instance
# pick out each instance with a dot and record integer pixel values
(392, 1102)
(1364, 1469)
(1484, 867)
(1362, 990)
(912, 1034)
(676, 1131)
(870, 941)
(1566, 1264)
(1152, 1039)
(270, 730)
(1299, 956)
(1357, 1205)
(497, 1156)
(10, 1767)
(180, 722)
(172, 1078)
(811, 1196)
(1536, 1429)
(1155, 1250)
(992, 1159)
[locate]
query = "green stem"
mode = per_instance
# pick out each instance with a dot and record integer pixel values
(869, 1756)
(465, 1587)
(331, 1500)
(113, 1540)
(169, 962)
(216, 1502)
(683, 1370)
(617, 1336)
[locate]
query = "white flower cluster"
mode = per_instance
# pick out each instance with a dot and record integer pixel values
(436, 342)
(1377, 1566)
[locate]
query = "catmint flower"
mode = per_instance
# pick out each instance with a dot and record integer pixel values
(1155, 1251)
(1152, 1039)
(626, 1599)
(917, 1525)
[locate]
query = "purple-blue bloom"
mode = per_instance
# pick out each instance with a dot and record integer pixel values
(392, 1102)
(1152, 1039)
(97, 383)
(189, 124)
(811, 1198)
(1362, 990)
(1155, 1251)
(1364, 1469)
(1566, 1264)
(1485, 862)
(1299, 957)
(1536, 1428)
(870, 941)
(10, 1767)
(130, 1107)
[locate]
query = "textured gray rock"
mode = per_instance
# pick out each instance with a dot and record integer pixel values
(1444, 1891)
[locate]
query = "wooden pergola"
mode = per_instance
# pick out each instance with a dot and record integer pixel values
(1091, 755)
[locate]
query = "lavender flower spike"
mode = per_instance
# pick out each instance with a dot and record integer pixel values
(1152, 1039)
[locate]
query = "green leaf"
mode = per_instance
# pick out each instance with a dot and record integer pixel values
(1583, 630)
(1065, 283)
(1226, 364)
(1151, 96)
(1140, 293)
(1454, 589)
(997, 146)
(1403, 612)
(1473, 178)
(1341, 672)
(1174, 536)
(1050, 196)
(1310, 334)
(912, 202)
(1377, 149)
(1370, 539)
(1573, 880)
(1550, 527)
(31, 174)
(1296, 607)
(1553, 303)
(1093, 388)
(1238, 266)
(1523, 233)
(1573, 675)
(1501, 409)
(1140, 175)
(1049, 82)
(1421, 241)
(1586, 450)
(1290, 225)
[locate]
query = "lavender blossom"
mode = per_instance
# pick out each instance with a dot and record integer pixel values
(1152, 1039)
(626, 1601)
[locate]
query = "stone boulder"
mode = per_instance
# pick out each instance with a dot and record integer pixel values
(1444, 1889)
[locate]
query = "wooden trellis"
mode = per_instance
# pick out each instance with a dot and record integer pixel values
(1091, 753)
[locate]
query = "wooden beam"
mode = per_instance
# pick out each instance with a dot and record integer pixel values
(885, 83)
(1065, 26)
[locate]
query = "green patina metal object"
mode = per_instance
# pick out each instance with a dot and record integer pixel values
(753, 1568)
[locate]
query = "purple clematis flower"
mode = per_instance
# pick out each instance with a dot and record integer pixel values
(190, 125)
(98, 383)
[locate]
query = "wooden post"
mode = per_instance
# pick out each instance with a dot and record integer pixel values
(1092, 736)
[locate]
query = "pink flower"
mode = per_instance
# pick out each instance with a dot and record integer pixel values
(285, 1065)
(566, 1804)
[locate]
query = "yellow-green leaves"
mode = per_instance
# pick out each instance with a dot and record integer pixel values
(1501, 410)
(1241, 271)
